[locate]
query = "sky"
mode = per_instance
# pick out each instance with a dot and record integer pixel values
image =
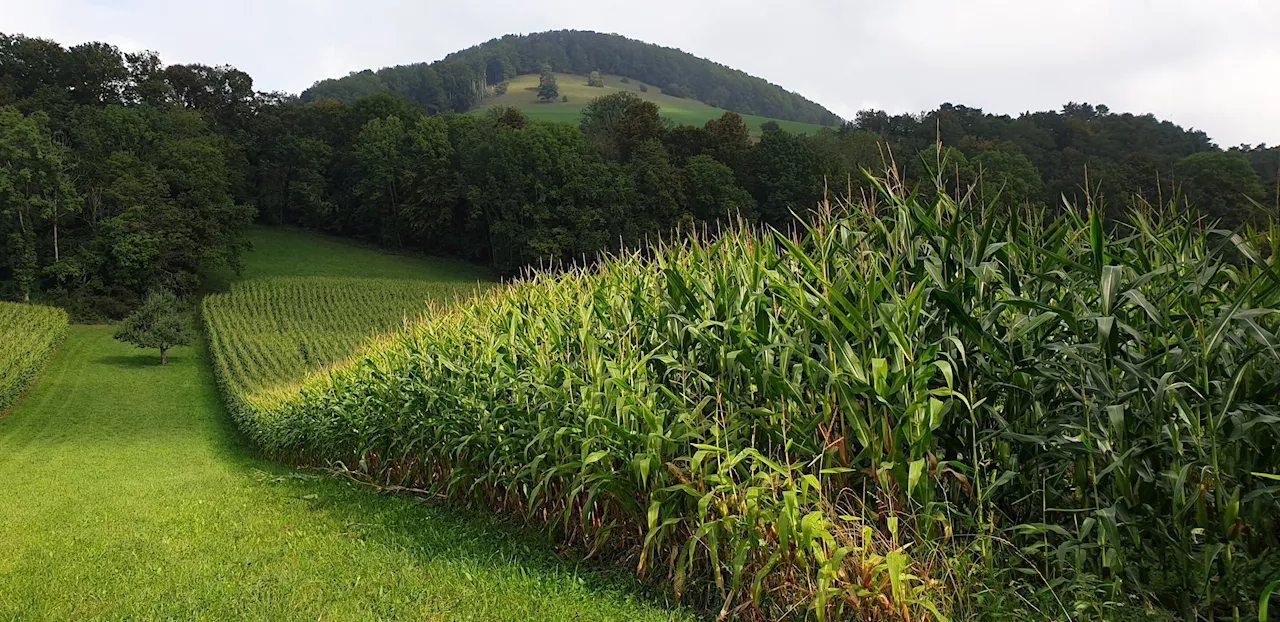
(1212, 65)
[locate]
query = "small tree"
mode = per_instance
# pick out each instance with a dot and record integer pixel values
(643, 88)
(548, 90)
(564, 98)
(500, 89)
(156, 324)
(595, 80)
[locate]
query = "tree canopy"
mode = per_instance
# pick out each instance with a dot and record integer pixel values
(156, 325)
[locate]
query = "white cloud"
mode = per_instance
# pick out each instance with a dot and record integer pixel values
(1212, 65)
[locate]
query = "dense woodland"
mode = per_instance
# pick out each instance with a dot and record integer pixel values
(458, 82)
(119, 174)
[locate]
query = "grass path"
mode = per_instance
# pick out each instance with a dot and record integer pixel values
(126, 494)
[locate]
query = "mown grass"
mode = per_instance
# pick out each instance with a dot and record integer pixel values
(909, 403)
(29, 334)
(522, 94)
(127, 493)
(297, 253)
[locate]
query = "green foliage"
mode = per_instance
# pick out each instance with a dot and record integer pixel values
(157, 324)
(713, 194)
(124, 176)
(548, 89)
(500, 88)
(644, 88)
(1008, 175)
(894, 393)
(451, 84)
(1220, 183)
(28, 336)
(594, 80)
(677, 90)
(36, 194)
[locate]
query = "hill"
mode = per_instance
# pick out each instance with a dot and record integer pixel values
(522, 94)
(460, 81)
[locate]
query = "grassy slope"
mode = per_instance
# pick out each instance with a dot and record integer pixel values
(291, 252)
(522, 93)
(127, 494)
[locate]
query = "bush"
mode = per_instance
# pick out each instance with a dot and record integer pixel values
(873, 417)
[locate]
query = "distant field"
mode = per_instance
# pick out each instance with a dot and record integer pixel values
(274, 331)
(522, 93)
(307, 302)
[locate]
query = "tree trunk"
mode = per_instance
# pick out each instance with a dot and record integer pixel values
(56, 255)
(164, 356)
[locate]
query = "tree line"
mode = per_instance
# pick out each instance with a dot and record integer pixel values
(458, 82)
(119, 175)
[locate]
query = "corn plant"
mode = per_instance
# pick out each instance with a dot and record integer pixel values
(267, 335)
(859, 418)
(28, 336)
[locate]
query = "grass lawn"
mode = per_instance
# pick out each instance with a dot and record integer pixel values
(522, 93)
(294, 252)
(126, 493)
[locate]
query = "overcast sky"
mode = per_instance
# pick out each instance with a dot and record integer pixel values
(1209, 64)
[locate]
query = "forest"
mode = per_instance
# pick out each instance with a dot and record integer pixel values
(121, 174)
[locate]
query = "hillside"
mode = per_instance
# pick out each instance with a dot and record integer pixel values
(522, 94)
(459, 81)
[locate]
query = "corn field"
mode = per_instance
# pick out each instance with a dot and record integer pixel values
(873, 418)
(28, 336)
(272, 332)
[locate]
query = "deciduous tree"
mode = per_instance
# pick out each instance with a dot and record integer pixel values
(157, 324)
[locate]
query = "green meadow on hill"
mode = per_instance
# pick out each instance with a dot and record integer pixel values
(522, 94)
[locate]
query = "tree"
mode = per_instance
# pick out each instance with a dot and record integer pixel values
(784, 176)
(595, 80)
(36, 193)
(1011, 175)
(1221, 184)
(644, 88)
(548, 90)
(158, 323)
(730, 140)
(713, 193)
(500, 88)
(382, 151)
